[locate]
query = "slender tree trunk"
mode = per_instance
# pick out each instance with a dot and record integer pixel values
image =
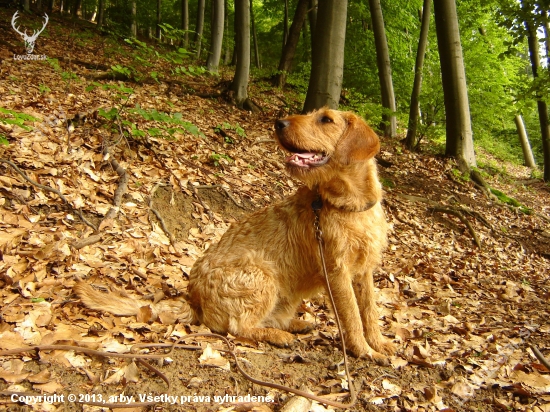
(76, 8)
(389, 121)
(213, 60)
(242, 30)
(542, 107)
(158, 30)
(312, 17)
(327, 65)
(39, 5)
(227, 53)
(459, 142)
(185, 22)
(546, 29)
(134, 20)
(27, 6)
(524, 140)
(414, 111)
(289, 50)
(254, 36)
(285, 24)
(51, 5)
(100, 13)
(199, 27)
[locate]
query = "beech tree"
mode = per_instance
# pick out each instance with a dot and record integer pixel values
(199, 27)
(389, 121)
(459, 141)
(414, 109)
(327, 62)
(218, 17)
(133, 29)
(524, 141)
(242, 34)
(534, 55)
(185, 22)
(289, 49)
(159, 21)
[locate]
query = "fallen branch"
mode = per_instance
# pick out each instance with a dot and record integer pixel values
(49, 189)
(540, 357)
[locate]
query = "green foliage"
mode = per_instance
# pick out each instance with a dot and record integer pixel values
(215, 158)
(228, 126)
(44, 89)
(190, 70)
(17, 118)
(4, 140)
(511, 201)
(124, 71)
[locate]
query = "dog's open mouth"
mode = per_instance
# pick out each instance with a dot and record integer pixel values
(307, 160)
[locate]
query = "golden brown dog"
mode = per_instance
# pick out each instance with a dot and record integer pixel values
(251, 283)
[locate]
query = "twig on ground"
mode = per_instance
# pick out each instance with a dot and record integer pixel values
(540, 357)
(49, 189)
(90, 240)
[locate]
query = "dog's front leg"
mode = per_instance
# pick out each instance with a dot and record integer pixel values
(350, 316)
(366, 299)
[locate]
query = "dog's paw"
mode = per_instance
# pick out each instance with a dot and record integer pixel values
(384, 346)
(368, 353)
(279, 338)
(300, 326)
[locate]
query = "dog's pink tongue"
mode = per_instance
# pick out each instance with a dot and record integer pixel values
(302, 158)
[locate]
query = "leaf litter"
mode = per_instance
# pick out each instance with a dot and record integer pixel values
(463, 317)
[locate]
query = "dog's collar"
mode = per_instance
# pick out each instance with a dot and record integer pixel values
(317, 205)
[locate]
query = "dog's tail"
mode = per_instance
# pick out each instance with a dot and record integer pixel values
(122, 304)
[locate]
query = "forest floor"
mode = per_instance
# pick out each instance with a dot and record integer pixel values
(463, 317)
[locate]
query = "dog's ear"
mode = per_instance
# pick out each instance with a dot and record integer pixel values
(359, 141)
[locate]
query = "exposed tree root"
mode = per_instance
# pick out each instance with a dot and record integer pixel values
(457, 213)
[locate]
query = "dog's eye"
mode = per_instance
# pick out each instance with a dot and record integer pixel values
(326, 119)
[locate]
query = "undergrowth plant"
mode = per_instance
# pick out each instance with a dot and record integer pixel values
(129, 119)
(15, 118)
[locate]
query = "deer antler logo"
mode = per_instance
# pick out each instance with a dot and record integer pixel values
(29, 40)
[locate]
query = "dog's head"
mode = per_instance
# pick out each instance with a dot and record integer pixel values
(323, 141)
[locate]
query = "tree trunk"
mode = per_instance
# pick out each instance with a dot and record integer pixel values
(459, 142)
(185, 22)
(134, 20)
(39, 6)
(327, 66)
(27, 6)
(227, 53)
(213, 60)
(76, 8)
(158, 30)
(100, 13)
(289, 50)
(524, 140)
(242, 30)
(389, 121)
(51, 5)
(414, 111)
(534, 56)
(254, 36)
(285, 24)
(199, 27)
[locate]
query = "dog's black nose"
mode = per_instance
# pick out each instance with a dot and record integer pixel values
(281, 124)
